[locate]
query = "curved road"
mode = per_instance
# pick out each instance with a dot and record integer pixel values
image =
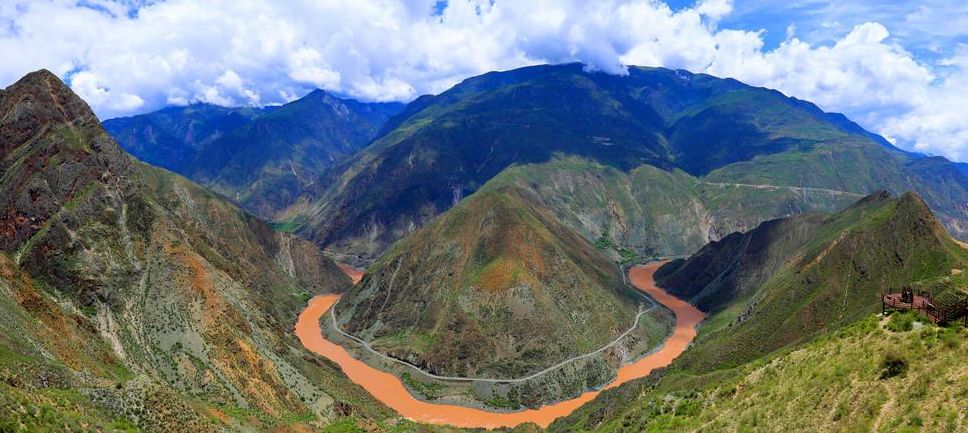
(388, 389)
(356, 275)
(801, 189)
(635, 324)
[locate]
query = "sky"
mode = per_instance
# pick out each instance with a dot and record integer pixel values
(898, 68)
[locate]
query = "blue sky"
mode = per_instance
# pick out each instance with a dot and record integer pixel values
(898, 68)
(929, 28)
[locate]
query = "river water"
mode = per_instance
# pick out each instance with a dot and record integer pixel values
(388, 389)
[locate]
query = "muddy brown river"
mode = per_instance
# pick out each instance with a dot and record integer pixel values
(388, 389)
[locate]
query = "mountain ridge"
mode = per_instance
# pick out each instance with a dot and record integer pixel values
(261, 158)
(713, 131)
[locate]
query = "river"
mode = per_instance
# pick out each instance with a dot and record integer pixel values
(388, 389)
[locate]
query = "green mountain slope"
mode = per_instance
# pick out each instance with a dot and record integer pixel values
(171, 138)
(785, 284)
(648, 211)
(742, 154)
(498, 288)
(130, 297)
(729, 269)
(834, 277)
(261, 158)
(866, 377)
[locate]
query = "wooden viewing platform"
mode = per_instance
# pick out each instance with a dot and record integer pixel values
(923, 303)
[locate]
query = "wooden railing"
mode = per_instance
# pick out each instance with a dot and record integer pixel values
(925, 304)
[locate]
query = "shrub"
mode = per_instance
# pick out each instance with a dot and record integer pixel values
(950, 337)
(893, 364)
(901, 322)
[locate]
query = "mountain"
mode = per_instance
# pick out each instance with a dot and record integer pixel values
(732, 267)
(780, 297)
(172, 138)
(865, 377)
(261, 158)
(594, 147)
(498, 288)
(132, 298)
(777, 292)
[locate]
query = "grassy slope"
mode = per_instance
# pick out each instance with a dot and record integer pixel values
(834, 279)
(834, 383)
(723, 271)
(827, 283)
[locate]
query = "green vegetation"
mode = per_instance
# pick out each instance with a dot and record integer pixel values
(894, 364)
(429, 390)
(860, 378)
(497, 287)
(605, 243)
(668, 160)
(262, 158)
(499, 402)
(901, 321)
(837, 266)
(50, 410)
(343, 426)
(288, 226)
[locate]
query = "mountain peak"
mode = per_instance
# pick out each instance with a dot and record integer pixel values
(913, 198)
(41, 75)
(38, 100)
(913, 206)
(51, 147)
(873, 199)
(45, 86)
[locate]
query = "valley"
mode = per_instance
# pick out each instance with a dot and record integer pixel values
(474, 260)
(391, 391)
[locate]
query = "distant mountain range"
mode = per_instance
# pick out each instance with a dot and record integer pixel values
(262, 158)
(655, 163)
(658, 162)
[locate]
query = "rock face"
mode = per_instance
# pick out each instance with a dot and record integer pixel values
(735, 155)
(52, 150)
(498, 288)
(139, 287)
(261, 158)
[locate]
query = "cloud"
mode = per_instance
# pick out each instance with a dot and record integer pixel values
(130, 57)
(88, 87)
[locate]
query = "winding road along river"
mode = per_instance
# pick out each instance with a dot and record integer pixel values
(388, 389)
